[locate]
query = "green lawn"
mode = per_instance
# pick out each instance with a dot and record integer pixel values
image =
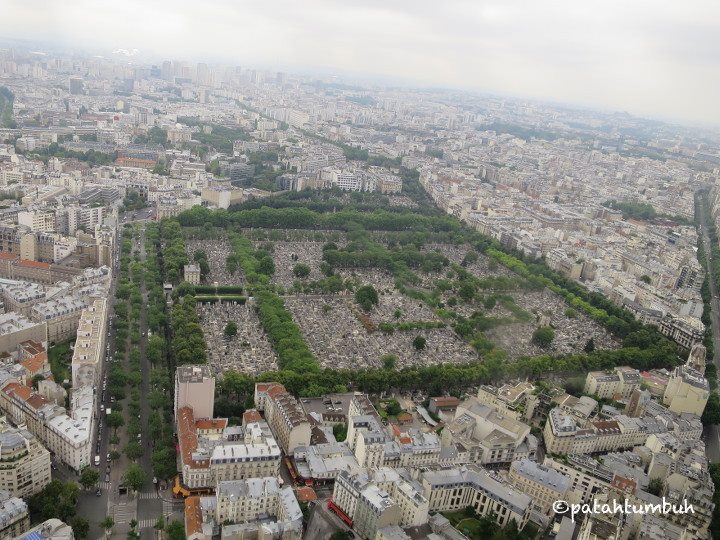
(60, 358)
(470, 527)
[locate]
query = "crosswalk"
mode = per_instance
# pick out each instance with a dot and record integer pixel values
(124, 512)
(104, 485)
(147, 523)
(149, 495)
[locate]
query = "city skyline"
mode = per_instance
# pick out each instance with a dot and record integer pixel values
(658, 62)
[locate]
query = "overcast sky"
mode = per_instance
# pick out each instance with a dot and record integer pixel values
(657, 58)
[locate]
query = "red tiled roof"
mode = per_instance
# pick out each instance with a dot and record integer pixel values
(34, 364)
(193, 515)
(36, 401)
(306, 494)
(7, 256)
(187, 437)
(445, 401)
(251, 416)
(33, 264)
(211, 423)
(19, 390)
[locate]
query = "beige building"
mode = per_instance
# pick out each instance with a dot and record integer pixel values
(210, 452)
(37, 220)
(363, 497)
(24, 462)
(448, 490)
(15, 328)
(487, 435)
(62, 317)
(195, 388)
(543, 484)
(90, 344)
(562, 435)
(516, 401)
(585, 477)
(287, 419)
(616, 384)
(192, 274)
(687, 391)
(257, 508)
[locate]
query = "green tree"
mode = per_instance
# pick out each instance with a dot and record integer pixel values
(56, 500)
(543, 336)
(389, 361)
(393, 408)
(645, 279)
(655, 486)
(80, 527)
(159, 523)
(134, 450)
(115, 420)
(711, 414)
(340, 432)
(301, 270)
(231, 329)
(89, 477)
(134, 477)
(419, 343)
(107, 524)
(366, 297)
(175, 530)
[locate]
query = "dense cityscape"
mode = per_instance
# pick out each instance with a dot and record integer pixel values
(245, 304)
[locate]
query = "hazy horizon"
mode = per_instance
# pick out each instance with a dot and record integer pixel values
(654, 59)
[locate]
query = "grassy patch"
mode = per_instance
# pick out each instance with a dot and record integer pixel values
(60, 358)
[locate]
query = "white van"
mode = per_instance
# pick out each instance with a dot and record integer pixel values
(97, 460)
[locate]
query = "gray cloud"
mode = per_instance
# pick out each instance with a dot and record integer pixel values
(658, 58)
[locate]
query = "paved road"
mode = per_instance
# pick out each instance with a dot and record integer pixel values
(712, 433)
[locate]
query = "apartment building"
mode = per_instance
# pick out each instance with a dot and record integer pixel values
(489, 436)
(687, 391)
(210, 452)
(257, 508)
(68, 436)
(562, 435)
(21, 296)
(14, 516)
(90, 344)
(61, 315)
(15, 329)
(287, 419)
(543, 484)
(587, 476)
(616, 384)
(472, 486)
(25, 462)
(374, 510)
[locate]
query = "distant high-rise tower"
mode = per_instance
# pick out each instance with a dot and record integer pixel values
(167, 70)
(76, 86)
(203, 74)
(280, 78)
